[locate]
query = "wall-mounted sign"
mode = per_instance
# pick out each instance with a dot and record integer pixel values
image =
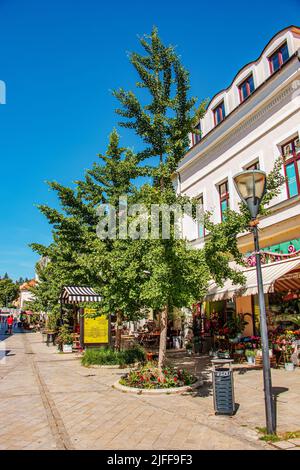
(95, 330)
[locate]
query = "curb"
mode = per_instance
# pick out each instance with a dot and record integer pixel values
(113, 366)
(157, 391)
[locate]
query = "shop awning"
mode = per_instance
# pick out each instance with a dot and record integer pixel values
(75, 295)
(281, 276)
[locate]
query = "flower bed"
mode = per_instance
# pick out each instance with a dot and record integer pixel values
(149, 377)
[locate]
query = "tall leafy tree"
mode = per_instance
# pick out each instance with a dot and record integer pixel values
(77, 256)
(163, 120)
(165, 116)
(9, 291)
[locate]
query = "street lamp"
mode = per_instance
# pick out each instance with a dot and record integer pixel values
(251, 187)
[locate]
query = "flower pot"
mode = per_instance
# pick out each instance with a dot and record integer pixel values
(289, 366)
(251, 359)
(67, 348)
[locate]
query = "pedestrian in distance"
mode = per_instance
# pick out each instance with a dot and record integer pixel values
(10, 322)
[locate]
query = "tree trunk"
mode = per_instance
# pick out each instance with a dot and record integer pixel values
(118, 330)
(163, 337)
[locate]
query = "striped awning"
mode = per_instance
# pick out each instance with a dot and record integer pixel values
(76, 295)
(282, 276)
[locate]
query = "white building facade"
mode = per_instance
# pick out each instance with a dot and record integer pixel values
(250, 124)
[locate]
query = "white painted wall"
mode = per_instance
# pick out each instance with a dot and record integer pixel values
(25, 296)
(255, 130)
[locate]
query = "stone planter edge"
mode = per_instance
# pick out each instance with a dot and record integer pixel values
(157, 391)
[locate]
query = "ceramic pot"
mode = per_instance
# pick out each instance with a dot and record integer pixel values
(67, 348)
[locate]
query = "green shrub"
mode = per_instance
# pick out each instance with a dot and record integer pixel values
(132, 355)
(107, 356)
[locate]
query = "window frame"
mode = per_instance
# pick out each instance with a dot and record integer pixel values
(278, 52)
(253, 166)
(220, 106)
(294, 158)
(196, 136)
(200, 198)
(224, 197)
(249, 92)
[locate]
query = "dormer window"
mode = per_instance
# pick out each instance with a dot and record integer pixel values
(219, 113)
(278, 58)
(197, 137)
(246, 88)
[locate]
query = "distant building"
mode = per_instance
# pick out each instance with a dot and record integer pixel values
(25, 294)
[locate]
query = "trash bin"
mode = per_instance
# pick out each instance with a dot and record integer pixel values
(223, 386)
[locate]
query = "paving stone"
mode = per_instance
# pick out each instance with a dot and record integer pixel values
(295, 440)
(44, 390)
(284, 445)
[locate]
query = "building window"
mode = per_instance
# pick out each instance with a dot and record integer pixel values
(200, 221)
(196, 137)
(246, 88)
(291, 155)
(224, 199)
(253, 166)
(278, 58)
(219, 113)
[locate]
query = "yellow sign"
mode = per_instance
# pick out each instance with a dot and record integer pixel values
(90, 311)
(95, 329)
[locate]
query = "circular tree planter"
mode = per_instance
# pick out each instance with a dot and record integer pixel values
(158, 391)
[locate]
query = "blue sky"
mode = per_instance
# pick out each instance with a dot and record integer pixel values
(60, 59)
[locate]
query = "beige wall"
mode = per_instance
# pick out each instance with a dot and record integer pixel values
(244, 305)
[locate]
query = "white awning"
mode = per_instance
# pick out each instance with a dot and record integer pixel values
(277, 277)
(75, 295)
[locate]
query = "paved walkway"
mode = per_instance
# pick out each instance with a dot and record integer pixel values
(49, 401)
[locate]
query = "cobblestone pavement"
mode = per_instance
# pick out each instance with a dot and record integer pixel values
(49, 401)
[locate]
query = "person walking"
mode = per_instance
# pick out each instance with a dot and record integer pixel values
(10, 322)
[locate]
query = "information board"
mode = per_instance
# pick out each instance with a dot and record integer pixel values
(95, 330)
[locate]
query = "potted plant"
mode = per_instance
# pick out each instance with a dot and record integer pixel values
(288, 351)
(65, 339)
(235, 328)
(250, 355)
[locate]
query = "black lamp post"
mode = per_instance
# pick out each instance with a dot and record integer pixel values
(251, 187)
